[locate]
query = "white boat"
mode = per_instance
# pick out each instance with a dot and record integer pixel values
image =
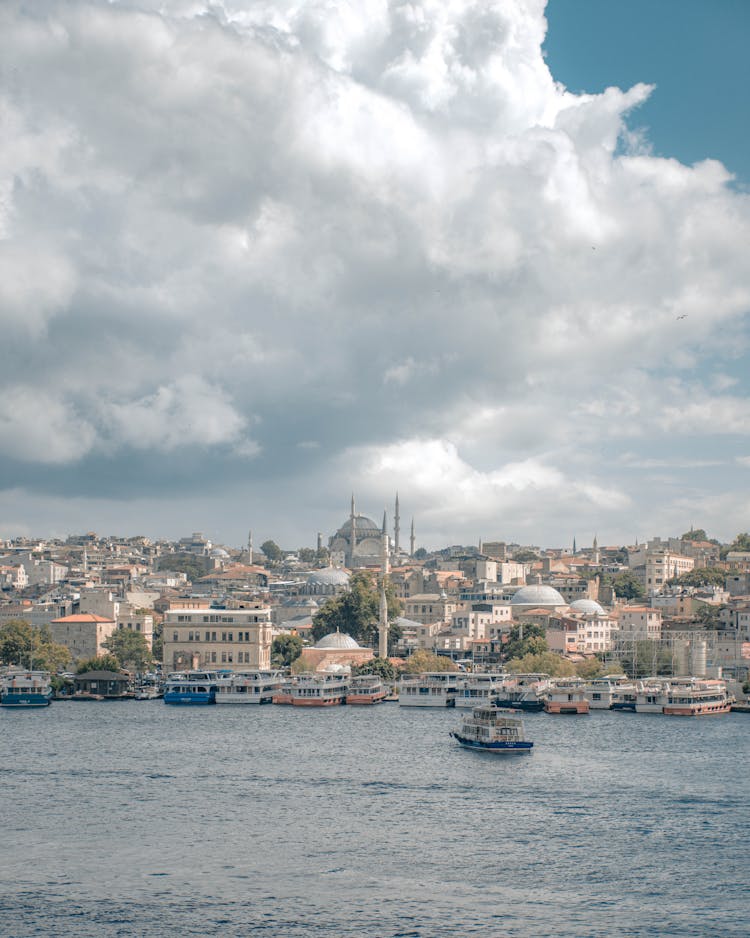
(493, 729)
(611, 692)
(366, 689)
(695, 697)
(431, 689)
(652, 695)
(25, 689)
(319, 690)
(566, 696)
(523, 691)
(477, 689)
(147, 692)
(248, 687)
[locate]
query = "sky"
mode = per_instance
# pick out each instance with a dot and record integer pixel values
(256, 256)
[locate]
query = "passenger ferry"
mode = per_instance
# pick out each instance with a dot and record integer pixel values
(652, 695)
(523, 691)
(366, 689)
(567, 697)
(695, 697)
(249, 687)
(611, 692)
(478, 688)
(431, 689)
(493, 729)
(191, 688)
(25, 689)
(320, 690)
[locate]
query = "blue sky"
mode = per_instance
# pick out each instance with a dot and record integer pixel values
(694, 51)
(255, 256)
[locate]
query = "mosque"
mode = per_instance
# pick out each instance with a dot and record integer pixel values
(359, 540)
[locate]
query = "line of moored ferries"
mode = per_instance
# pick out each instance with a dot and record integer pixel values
(678, 696)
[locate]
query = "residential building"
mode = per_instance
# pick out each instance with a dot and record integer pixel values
(217, 637)
(83, 634)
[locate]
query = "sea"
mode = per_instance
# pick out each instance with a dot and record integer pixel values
(135, 818)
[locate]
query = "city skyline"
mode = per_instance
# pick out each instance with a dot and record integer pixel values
(254, 258)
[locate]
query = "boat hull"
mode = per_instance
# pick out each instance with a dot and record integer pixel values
(313, 702)
(697, 710)
(364, 700)
(567, 708)
(189, 700)
(504, 748)
(25, 701)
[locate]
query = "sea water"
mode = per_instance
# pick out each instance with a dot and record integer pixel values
(136, 818)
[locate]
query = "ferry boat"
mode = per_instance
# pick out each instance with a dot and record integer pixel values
(652, 696)
(479, 688)
(431, 689)
(248, 687)
(191, 688)
(697, 697)
(493, 729)
(366, 689)
(320, 690)
(611, 692)
(567, 697)
(523, 692)
(25, 689)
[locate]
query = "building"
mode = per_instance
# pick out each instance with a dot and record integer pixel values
(143, 623)
(537, 596)
(430, 607)
(215, 638)
(335, 650)
(83, 634)
(358, 542)
(642, 622)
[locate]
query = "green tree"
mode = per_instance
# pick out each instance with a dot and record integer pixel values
(380, 666)
(590, 668)
(645, 659)
(157, 642)
(272, 551)
(423, 660)
(100, 663)
(285, 649)
(525, 556)
(547, 662)
(420, 553)
(627, 586)
(523, 640)
(701, 576)
(356, 612)
(130, 649)
(707, 616)
(22, 644)
(183, 563)
(307, 554)
(697, 534)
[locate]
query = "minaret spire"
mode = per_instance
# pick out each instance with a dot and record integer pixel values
(397, 529)
(250, 545)
(383, 617)
(411, 539)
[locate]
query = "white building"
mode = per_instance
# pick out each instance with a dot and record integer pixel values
(216, 638)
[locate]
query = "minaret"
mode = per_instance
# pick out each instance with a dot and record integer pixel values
(411, 539)
(250, 546)
(353, 544)
(320, 541)
(574, 545)
(397, 529)
(595, 548)
(383, 618)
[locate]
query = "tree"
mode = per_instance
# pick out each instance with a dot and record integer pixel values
(356, 612)
(700, 576)
(525, 556)
(380, 666)
(157, 642)
(22, 644)
(545, 663)
(272, 551)
(285, 649)
(590, 668)
(627, 586)
(130, 649)
(697, 534)
(525, 640)
(307, 554)
(645, 659)
(423, 660)
(420, 553)
(183, 563)
(100, 663)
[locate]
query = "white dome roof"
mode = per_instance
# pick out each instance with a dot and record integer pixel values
(588, 606)
(537, 595)
(330, 576)
(337, 640)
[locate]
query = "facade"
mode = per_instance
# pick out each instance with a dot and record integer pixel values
(143, 624)
(643, 620)
(83, 634)
(430, 607)
(580, 633)
(358, 542)
(216, 638)
(476, 622)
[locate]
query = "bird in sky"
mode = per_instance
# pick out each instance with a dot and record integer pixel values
(683, 316)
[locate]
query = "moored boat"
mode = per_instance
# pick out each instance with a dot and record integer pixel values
(25, 689)
(523, 692)
(696, 697)
(431, 689)
(611, 692)
(248, 687)
(566, 697)
(319, 690)
(191, 688)
(493, 729)
(477, 689)
(366, 689)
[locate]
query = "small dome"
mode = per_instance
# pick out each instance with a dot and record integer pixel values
(219, 553)
(337, 640)
(588, 606)
(537, 595)
(330, 576)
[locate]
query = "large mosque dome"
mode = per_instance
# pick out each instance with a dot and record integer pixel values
(365, 527)
(337, 640)
(588, 607)
(328, 577)
(537, 595)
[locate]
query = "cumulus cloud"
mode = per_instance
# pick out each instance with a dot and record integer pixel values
(245, 229)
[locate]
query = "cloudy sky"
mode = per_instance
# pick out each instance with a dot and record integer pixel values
(255, 256)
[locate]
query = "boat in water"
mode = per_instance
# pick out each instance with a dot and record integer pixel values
(695, 697)
(431, 689)
(477, 689)
(523, 692)
(611, 692)
(566, 697)
(493, 729)
(320, 690)
(191, 688)
(249, 687)
(25, 689)
(366, 689)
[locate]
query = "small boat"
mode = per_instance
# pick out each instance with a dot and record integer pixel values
(147, 692)
(431, 689)
(191, 688)
(493, 729)
(567, 697)
(249, 687)
(320, 690)
(366, 689)
(25, 689)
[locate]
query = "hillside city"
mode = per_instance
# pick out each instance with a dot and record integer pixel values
(672, 605)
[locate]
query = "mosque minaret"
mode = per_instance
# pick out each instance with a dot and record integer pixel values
(383, 619)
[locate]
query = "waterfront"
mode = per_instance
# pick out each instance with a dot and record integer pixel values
(137, 818)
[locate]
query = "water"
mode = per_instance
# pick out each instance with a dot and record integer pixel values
(135, 818)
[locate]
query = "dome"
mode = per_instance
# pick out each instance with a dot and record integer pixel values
(337, 640)
(365, 527)
(219, 553)
(588, 606)
(537, 595)
(330, 576)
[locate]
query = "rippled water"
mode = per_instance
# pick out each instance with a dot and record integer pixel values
(135, 818)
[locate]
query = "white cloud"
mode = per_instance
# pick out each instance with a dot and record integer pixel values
(37, 427)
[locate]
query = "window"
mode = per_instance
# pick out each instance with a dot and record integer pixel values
(208, 636)
(174, 636)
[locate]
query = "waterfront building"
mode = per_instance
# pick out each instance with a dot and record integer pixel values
(83, 634)
(213, 637)
(333, 650)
